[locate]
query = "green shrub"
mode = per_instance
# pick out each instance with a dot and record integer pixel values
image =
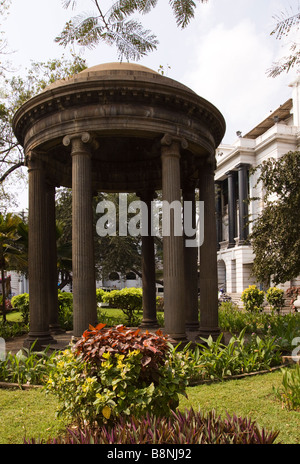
(12, 329)
(21, 303)
(214, 360)
(275, 298)
(26, 367)
(115, 372)
(252, 298)
(99, 294)
(129, 300)
(65, 310)
(188, 427)
(289, 393)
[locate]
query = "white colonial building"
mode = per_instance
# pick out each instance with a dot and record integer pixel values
(276, 135)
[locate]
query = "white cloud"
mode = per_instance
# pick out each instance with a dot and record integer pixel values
(230, 71)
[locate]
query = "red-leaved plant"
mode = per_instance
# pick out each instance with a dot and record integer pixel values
(120, 340)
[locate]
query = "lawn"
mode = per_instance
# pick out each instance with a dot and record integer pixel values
(32, 413)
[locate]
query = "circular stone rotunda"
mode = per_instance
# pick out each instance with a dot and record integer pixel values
(120, 127)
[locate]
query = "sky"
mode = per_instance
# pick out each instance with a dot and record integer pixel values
(223, 55)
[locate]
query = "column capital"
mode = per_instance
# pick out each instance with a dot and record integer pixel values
(148, 194)
(230, 173)
(242, 166)
(169, 142)
(33, 161)
(78, 140)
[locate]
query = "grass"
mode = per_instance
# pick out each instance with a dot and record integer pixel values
(252, 397)
(27, 413)
(32, 413)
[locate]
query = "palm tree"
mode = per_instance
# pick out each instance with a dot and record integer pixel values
(8, 237)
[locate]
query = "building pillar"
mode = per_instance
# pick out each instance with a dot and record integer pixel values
(148, 267)
(174, 292)
(38, 268)
(209, 324)
(243, 202)
(190, 259)
(218, 192)
(52, 261)
(231, 175)
(83, 261)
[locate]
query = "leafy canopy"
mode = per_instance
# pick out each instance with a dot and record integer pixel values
(117, 27)
(275, 236)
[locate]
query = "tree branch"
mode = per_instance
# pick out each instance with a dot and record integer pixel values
(10, 170)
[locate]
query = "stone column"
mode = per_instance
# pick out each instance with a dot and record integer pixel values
(190, 260)
(148, 269)
(83, 262)
(208, 256)
(52, 261)
(231, 175)
(243, 205)
(173, 260)
(218, 190)
(38, 268)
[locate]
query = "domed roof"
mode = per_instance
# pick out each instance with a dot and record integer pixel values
(117, 71)
(117, 66)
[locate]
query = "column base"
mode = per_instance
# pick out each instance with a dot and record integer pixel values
(192, 326)
(149, 324)
(55, 329)
(205, 332)
(39, 341)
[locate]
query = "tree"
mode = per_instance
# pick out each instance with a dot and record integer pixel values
(9, 253)
(117, 27)
(15, 91)
(275, 236)
(286, 24)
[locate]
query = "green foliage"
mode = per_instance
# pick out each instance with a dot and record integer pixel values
(217, 360)
(275, 298)
(21, 303)
(115, 372)
(99, 294)
(115, 27)
(188, 427)
(26, 367)
(65, 310)
(12, 329)
(289, 393)
(252, 298)
(129, 300)
(275, 234)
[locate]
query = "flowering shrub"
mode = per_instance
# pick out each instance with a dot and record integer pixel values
(112, 372)
(275, 298)
(252, 298)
